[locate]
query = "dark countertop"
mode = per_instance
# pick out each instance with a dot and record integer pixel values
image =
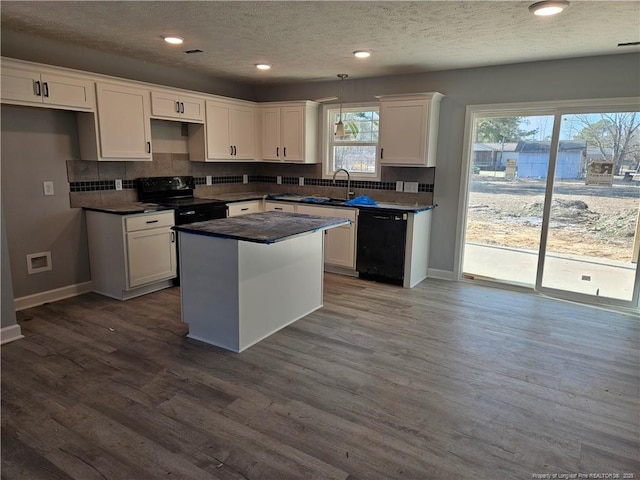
(129, 208)
(266, 227)
(333, 202)
(236, 197)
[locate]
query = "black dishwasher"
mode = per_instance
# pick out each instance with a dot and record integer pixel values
(381, 245)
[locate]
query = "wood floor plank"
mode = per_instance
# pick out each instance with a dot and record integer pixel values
(446, 380)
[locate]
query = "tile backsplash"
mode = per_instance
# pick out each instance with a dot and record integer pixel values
(93, 183)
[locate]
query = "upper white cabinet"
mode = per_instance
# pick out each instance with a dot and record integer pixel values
(409, 129)
(231, 130)
(173, 106)
(121, 129)
(289, 131)
(23, 85)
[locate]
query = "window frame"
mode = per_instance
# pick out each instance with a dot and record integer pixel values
(327, 136)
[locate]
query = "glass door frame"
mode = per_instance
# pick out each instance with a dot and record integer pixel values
(556, 109)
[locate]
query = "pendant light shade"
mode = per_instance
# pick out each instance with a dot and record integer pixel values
(340, 125)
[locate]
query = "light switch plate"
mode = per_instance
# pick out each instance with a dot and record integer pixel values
(399, 186)
(279, 180)
(48, 188)
(209, 180)
(411, 187)
(118, 184)
(301, 181)
(245, 178)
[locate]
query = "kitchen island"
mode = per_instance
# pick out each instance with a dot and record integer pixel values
(244, 278)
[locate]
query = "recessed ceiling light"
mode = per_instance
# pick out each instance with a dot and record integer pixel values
(173, 40)
(548, 7)
(263, 66)
(362, 54)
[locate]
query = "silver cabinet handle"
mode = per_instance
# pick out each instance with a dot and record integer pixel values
(37, 89)
(173, 237)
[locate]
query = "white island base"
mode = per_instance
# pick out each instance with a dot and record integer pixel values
(235, 293)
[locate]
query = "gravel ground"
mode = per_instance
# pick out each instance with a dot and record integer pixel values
(585, 220)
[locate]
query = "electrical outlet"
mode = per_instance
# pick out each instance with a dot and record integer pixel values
(279, 180)
(399, 186)
(118, 184)
(411, 187)
(48, 188)
(301, 181)
(245, 178)
(209, 180)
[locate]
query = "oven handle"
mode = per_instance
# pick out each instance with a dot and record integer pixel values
(190, 212)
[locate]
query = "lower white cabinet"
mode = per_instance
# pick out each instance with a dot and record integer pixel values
(339, 242)
(244, 208)
(131, 255)
(279, 207)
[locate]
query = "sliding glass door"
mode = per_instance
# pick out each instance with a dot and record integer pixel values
(592, 238)
(553, 200)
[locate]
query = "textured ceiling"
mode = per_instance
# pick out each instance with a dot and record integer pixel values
(314, 40)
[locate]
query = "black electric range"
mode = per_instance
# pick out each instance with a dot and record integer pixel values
(177, 193)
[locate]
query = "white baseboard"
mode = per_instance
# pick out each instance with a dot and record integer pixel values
(440, 274)
(52, 295)
(10, 333)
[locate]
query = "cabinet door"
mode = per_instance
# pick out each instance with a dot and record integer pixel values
(151, 256)
(18, 84)
(192, 108)
(243, 132)
(271, 134)
(403, 132)
(339, 246)
(123, 122)
(339, 242)
(67, 91)
(292, 133)
(46, 89)
(165, 104)
(219, 131)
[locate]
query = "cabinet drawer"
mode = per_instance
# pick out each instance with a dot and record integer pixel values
(279, 207)
(144, 222)
(244, 208)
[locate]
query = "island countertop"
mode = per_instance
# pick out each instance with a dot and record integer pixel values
(266, 227)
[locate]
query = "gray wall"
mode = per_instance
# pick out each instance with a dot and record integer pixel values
(580, 78)
(8, 312)
(36, 143)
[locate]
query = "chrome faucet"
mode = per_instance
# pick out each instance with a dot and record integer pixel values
(349, 192)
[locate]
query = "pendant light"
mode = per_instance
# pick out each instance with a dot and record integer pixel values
(340, 125)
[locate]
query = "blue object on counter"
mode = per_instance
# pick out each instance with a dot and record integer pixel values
(361, 200)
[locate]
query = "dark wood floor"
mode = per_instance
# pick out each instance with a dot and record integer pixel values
(444, 381)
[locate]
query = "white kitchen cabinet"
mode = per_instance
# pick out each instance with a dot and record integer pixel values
(23, 85)
(121, 129)
(244, 208)
(288, 131)
(279, 207)
(175, 106)
(409, 129)
(131, 255)
(229, 133)
(339, 242)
